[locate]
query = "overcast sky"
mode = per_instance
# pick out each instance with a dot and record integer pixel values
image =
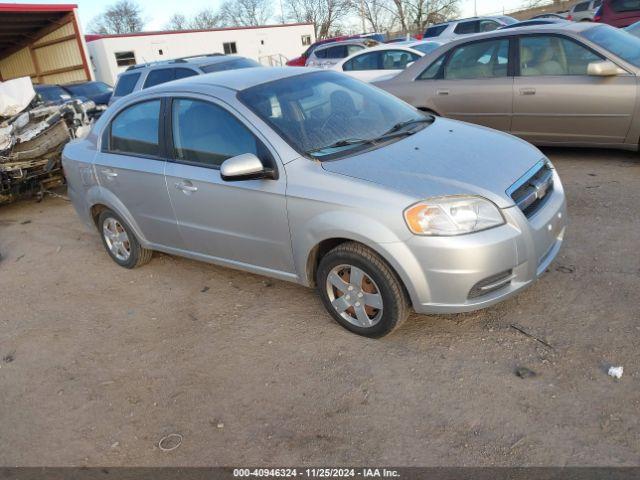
(158, 12)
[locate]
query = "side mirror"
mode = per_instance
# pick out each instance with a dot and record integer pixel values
(244, 167)
(409, 64)
(604, 68)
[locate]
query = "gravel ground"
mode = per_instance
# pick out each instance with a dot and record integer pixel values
(98, 363)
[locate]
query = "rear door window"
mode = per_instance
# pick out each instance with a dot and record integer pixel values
(184, 73)
(366, 61)
(487, 25)
(135, 130)
(126, 84)
(434, 31)
(397, 59)
(465, 28)
(339, 51)
(156, 77)
(487, 59)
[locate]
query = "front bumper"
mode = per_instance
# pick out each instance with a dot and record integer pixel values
(441, 272)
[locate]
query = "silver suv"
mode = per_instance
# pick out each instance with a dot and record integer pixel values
(317, 178)
(138, 77)
(447, 31)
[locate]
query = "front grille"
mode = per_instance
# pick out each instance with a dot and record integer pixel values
(533, 189)
(491, 284)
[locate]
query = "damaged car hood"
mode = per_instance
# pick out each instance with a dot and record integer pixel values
(446, 157)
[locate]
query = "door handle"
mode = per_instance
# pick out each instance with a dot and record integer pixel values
(186, 187)
(109, 173)
(527, 91)
(442, 92)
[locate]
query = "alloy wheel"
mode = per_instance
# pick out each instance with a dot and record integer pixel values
(354, 295)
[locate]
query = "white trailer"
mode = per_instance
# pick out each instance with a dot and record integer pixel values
(269, 45)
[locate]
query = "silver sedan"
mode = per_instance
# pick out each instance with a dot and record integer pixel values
(569, 85)
(317, 178)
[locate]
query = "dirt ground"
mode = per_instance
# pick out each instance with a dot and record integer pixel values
(98, 363)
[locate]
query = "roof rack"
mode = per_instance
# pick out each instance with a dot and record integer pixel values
(173, 60)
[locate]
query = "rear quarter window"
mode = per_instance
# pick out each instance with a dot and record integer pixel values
(126, 84)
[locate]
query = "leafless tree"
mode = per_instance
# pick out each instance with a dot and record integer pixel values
(326, 15)
(177, 22)
(246, 13)
(124, 16)
(204, 19)
(414, 15)
(379, 15)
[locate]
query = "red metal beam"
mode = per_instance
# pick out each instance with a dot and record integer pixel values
(37, 7)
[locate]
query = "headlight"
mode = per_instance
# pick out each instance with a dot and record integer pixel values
(452, 216)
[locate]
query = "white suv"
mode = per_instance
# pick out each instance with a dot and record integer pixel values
(451, 30)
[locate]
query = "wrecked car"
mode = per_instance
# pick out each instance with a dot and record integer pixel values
(32, 136)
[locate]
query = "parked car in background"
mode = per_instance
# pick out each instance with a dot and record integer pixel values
(404, 39)
(537, 21)
(448, 31)
(574, 85)
(583, 11)
(562, 16)
(634, 29)
(384, 61)
(99, 92)
(618, 13)
(301, 61)
(139, 77)
(316, 178)
(52, 94)
(328, 55)
(423, 46)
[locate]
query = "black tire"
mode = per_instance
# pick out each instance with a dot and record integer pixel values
(138, 255)
(395, 302)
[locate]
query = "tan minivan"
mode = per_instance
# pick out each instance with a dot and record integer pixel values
(573, 84)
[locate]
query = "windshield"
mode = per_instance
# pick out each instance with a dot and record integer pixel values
(326, 115)
(53, 93)
(230, 65)
(94, 88)
(425, 47)
(618, 42)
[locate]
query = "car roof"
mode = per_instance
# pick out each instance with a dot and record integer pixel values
(559, 27)
(351, 41)
(488, 17)
(238, 80)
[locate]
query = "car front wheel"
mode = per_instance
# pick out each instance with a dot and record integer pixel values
(361, 291)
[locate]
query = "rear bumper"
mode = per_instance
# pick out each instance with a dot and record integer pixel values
(470, 272)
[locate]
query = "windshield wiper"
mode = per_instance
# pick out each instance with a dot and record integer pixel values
(345, 142)
(400, 126)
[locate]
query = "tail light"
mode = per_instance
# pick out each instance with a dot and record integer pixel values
(597, 16)
(570, 17)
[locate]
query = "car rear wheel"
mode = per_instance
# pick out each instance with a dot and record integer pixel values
(361, 291)
(120, 242)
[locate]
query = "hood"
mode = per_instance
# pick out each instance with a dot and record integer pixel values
(445, 158)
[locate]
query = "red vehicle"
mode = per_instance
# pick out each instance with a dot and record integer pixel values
(618, 13)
